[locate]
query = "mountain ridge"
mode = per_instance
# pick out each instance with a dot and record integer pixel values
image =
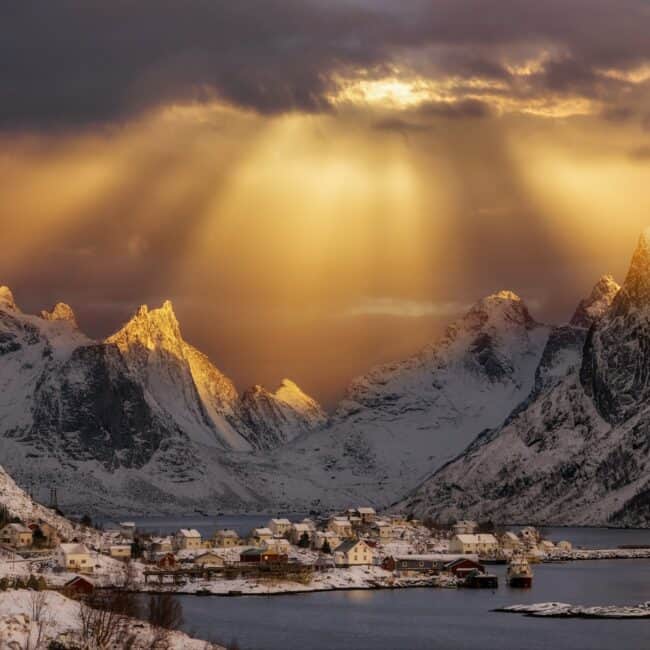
(577, 451)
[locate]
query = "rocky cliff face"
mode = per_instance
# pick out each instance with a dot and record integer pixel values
(578, 449)
(131, 418)
(616, 368)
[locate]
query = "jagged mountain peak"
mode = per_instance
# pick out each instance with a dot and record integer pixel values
(637, 282)
(501, 310)
(151, 328)
(60, 312)
(597, 303)
(7, 299)
(291, 394)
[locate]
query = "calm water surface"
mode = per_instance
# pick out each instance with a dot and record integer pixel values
(429, 619)
(419, 619)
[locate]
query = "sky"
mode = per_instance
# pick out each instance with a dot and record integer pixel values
(319, 186)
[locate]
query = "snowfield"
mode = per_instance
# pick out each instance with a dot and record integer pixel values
(26, 621)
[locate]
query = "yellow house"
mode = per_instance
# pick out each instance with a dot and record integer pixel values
(16, 535)
(353, 553)
(209, 560)
(341, 526)
(74, 557)
(260, 535)
(188, 539)
(226, 538)
(279, 527)
(474, 544)
(321, 536)
(367, 515)
(383, 530)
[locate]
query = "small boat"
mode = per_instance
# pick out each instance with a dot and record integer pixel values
(519, 575)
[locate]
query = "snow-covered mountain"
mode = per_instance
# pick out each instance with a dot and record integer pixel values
(130, 417)
(405, 419)
(503, 417)
(578, 451)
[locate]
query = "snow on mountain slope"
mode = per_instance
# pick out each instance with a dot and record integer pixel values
(282, 415)
(21, 505)
(579, 452)
(182, 383)
(155, 354)
(403, 420)
(142, 420)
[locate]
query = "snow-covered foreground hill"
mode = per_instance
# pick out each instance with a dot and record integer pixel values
(578, 451)
(36, 619)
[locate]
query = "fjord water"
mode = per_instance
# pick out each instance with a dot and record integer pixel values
(435, 619)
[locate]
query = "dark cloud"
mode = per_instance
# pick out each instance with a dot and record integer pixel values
(455, 110)
(398, 125)
(70, 62)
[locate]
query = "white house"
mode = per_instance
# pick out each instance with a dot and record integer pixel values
(321, 536)
(474, 544)
(465, 527)
(260, 535)
(383, 530)
(74, 557)
(188, 538)
(16, 535)
(510, 542)
(225, 538)
(298, 530)
(278, 545)
(209, 560)
(353, 552)
(367, 515)
(280, 527)
(341, 526)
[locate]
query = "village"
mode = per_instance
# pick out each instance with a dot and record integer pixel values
(355, 549)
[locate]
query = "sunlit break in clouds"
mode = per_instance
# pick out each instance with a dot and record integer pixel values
(319, 186)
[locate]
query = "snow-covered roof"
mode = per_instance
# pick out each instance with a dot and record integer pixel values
(18, 528)
(226, 533)
(348, 545)
(74, 549)
(259, 532)
(301, 528)
(281, 522)
(210, 554)
(366, 511)
(189, 532)
(341, 521)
